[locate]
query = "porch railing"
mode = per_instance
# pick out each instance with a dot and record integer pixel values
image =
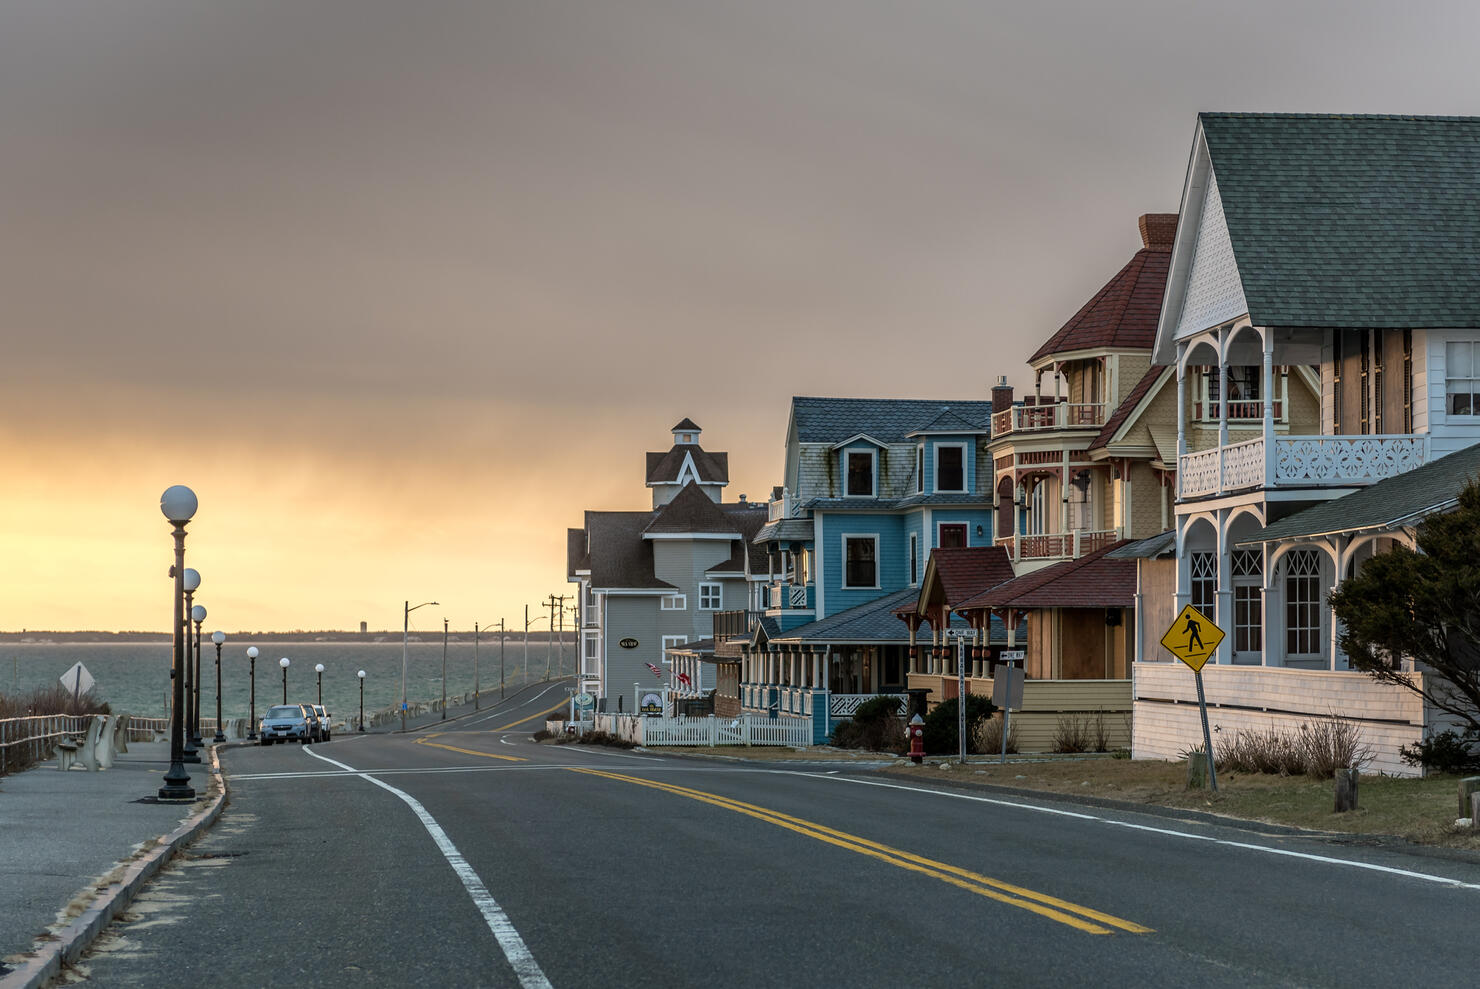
(1053, 415)
(1299, 461)
(1057, 545)
(735, 624)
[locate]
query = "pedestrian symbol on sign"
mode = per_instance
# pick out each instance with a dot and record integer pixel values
(1193, 637)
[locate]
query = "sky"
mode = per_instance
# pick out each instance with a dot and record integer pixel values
(401, 289)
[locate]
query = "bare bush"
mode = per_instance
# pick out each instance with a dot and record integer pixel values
(1072, 734)
(989, 736)
(1316, 749)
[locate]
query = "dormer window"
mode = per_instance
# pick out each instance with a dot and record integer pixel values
(920, 469)
(859, 473)
(950, 467)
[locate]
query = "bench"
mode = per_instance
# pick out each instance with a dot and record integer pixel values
(70, 751)
(66, 753)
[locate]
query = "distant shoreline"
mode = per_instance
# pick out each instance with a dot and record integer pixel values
(43, 638)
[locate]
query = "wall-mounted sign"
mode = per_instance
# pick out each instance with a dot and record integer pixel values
(584, 700)
(651, 704)
(628, 643)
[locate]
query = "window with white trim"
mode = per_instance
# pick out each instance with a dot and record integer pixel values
(675, 602)
(920, 469)
(1204, 582)
(1303, 603)
(861, 561)
(1248, 600)
(709, 597)
(914, 559)
(1462, 378)
(950, 467)
(859, 469)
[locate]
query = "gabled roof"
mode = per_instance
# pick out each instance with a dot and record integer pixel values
(962, 572)
(665, 468)
(691, 512)
(686, 425)
(858, 438)
(1124, 410)
(950, 422)
(890, 420)
(1092, 581)
(1388, 504)
(1123, 313)
(1352, 221)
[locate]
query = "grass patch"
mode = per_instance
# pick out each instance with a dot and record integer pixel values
(1420, 810)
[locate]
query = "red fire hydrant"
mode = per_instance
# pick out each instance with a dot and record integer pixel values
(917, 739)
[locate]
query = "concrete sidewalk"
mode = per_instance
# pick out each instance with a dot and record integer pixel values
(75, 845)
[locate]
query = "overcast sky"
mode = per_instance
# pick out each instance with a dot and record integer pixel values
(401, 288)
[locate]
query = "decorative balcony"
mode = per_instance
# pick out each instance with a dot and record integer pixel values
(1051, 415)
(1299, 462)
(787, 596)
(1069, 545)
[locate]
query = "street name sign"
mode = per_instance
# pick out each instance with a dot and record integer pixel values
(1192, 638)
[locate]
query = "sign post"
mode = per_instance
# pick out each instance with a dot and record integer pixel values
(1007, 689)
(963, 637)
(77, 680)
(1193, 638)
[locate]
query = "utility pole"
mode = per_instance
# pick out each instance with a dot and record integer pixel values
(500, 659)
(555, 602)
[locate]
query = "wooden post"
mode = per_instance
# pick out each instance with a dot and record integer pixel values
(1346, 790)
(1197, 770)
(1467, 786)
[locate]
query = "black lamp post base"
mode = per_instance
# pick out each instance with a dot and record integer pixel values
(177, 794)
(190, 755)
(251, 736)
(176, 785)
(196, 741)
(218, 738)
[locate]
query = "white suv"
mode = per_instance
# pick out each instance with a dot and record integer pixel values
(323, 714)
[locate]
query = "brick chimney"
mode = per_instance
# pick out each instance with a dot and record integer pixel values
(1158, 230)
(1001, 395)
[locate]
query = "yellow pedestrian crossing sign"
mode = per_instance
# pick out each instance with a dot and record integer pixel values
(1192, 638)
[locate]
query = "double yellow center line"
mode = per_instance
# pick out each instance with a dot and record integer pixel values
(1081, 918)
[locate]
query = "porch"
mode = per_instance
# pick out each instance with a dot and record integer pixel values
(1046, 415)
(1299, 462)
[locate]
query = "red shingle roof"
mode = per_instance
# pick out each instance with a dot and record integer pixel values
(1124, 312)
(1092, 581)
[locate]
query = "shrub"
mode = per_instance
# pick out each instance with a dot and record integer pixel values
(603, 738)
(1314, 749)
(876, 726)
(989, 736)
(543, 734)
(1446, 752)
(1072, 735)
(940, 725)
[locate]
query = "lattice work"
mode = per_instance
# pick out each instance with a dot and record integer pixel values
(1346, 460)
(1215, 293)
(1197, 474)
(1243, 465)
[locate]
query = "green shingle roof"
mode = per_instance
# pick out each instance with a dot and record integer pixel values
(1421, 491)
(1357, 221)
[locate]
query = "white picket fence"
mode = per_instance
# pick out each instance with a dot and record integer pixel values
(748, 729)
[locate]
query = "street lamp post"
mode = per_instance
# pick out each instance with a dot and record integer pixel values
(361, 675)
(528, 622)
(191, 584)
(405, 633)
(252, 720)
(319, 669)
(285, 662)
(502, 635)
(218, 637)
(178, 504)
(197, 615)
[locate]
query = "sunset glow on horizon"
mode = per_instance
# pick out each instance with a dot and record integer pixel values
(402, 290)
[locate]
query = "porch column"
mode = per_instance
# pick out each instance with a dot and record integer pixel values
(913, 625)
(817, 682)
(1181, 412)
(1268, 385)
(1224, 595)
(1222, 391)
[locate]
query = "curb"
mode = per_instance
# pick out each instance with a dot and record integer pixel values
(77, 936)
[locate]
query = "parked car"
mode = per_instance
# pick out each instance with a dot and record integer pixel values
(322, 714)
(286, 723)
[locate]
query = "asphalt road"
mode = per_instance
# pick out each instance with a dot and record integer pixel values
(471, 856)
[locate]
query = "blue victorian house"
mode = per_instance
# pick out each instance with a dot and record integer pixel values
(872, 486)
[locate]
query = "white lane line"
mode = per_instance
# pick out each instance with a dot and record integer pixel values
(1249, 846)
(526, 969)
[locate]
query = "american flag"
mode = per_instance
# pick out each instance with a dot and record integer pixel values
(656, 672)
(683, 678)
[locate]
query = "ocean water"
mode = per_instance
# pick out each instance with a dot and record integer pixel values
(135, 676)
